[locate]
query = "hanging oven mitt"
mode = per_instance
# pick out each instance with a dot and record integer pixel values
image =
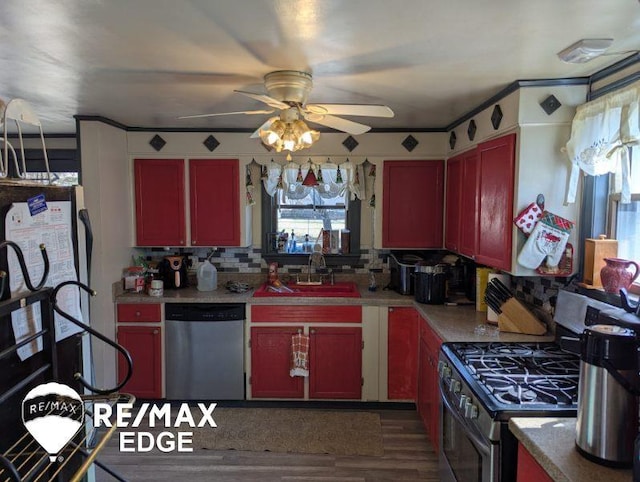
(547, 240)
(528, 218)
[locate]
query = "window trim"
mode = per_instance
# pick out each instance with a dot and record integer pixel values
(612, 202)
(353, 221)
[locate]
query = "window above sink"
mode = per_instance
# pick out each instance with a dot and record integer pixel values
(304, 212)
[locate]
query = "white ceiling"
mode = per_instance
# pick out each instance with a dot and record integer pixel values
(145, 62)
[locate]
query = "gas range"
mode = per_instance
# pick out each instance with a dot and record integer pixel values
(482, 386)
(518, 379)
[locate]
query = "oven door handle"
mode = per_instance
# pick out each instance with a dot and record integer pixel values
(481, 445)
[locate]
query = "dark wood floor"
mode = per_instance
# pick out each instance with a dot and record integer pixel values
(408, 456)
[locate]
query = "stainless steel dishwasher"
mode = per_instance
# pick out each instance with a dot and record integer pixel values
(204, 345)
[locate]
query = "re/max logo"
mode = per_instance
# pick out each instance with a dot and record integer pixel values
(155, 415)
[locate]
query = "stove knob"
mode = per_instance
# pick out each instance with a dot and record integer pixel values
(463, 401)
(455, 386)
(470, 410)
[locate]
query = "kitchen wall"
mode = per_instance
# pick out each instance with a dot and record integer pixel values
(105, 177)
(107, 154)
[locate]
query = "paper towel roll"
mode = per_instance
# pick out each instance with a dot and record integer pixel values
(492, 316)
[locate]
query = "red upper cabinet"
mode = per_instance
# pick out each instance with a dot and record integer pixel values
(214, 217)
(455, 168)
(412, 205)
(160, 202)
(496, 168)
(469, 204)
(214, 202)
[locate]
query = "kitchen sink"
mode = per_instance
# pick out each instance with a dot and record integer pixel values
(344, 289)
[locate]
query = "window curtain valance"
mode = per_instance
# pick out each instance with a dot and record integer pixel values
(349, 184)
(601, 132)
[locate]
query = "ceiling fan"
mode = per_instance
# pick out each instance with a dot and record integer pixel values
(287, 91)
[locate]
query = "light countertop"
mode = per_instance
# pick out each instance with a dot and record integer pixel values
(451, 323)
(551, 441)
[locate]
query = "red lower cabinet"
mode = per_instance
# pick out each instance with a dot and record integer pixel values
(271, 362)
(428, 383)
(529, 470)
(335, 362)
(402, 357)
(144, 345)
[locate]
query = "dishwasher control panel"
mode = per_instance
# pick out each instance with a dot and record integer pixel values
(204, 311)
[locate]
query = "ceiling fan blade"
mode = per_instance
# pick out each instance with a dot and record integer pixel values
(338, 123)
(270, 101)
(267, 123)
(370, 110)
(247, 112)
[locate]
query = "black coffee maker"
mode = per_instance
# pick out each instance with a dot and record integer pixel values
(173, 272)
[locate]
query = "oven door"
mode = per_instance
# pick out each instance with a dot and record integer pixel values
(466, 455)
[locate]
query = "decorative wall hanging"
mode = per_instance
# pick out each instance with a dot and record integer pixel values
(550, 104)
(410, 143)
(310, 179)
(496, 117)
(249, 185)
(471, 130)
(211, 143)
(157, 142)
(350, 143)
(452, 140)
(280, 184)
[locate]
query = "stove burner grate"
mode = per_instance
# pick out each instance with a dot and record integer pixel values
(522, 373)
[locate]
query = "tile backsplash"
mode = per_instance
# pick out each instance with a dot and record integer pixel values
(250, 260)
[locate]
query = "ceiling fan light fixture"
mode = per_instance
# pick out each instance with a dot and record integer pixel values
(585, 50)
(289, 136)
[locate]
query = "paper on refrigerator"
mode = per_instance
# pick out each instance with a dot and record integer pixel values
(52, 227)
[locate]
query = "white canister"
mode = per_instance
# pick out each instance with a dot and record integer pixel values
(156, 288)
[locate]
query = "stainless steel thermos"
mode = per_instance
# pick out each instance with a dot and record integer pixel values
(607, 422)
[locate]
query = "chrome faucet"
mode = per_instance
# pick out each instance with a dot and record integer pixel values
(316, 259)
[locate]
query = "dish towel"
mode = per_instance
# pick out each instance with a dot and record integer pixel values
(299, 355)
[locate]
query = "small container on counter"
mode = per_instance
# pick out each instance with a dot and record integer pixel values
(133, 279)
(156, 288)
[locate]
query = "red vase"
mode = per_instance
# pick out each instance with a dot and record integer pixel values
(616, 275)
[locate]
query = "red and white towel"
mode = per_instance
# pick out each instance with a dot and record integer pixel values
(299, 355)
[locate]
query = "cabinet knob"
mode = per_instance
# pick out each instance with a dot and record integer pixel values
(155, 332)
(138, 314)
(390, 310)
(182, 241)
(193, 241)
(313, 332)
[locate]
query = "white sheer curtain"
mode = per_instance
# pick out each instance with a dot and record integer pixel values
(601, 132)
(351, 186)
